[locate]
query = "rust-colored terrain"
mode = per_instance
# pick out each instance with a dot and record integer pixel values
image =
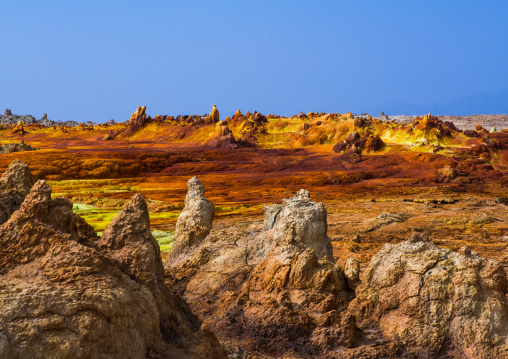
(380, 182)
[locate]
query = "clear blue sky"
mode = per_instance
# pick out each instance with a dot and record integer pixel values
(96, 60)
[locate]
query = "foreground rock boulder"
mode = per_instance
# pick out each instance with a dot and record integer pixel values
(298, 214)
(429, 302)
(293, 302)
(278, 291)
(66, 295)
(15, 184)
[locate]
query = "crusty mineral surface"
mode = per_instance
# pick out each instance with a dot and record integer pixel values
(293, 302)
(431, 302)
(15, 184)
(277, 287)
(17, 177)
(303, 216)
(195, 221)
(63, 295)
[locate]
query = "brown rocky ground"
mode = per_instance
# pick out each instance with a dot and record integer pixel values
(66, 294)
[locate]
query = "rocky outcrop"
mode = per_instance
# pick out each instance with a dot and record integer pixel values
(12, 119)
(303, 216)
(250, 125)
(352, 272)
(430, 130)
(213, 117)
(195, 221)
(19, 129)
(384, 219)
(366, 142)
(17, 177)
(445, 174)
(137, 121)
(430, 302)
(65, 295)
(278, 290)
(223, 138)
(16, 147)
(292, 302)
(15, 184)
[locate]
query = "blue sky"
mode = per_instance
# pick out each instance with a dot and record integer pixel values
(96, 60)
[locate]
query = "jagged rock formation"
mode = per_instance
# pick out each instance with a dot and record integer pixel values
(213, 117)
(250, 125)
(223, 138)
(430, 302)
(19, 128)
(430, 130)
(16, 147)
(292, 301)
(301, 215)
(64, 295)
(195, 221)
(15, 184)
(279, 289)
(352, 272)
(365, 142)
(138, 120)
(11, 119)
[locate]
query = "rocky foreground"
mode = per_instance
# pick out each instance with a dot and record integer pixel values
(66, 294)
(279, 291)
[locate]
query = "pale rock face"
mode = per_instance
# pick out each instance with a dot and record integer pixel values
(195, 221)
(15, 184)
(17, 177)
(271, 213)
(431, 300)
(63, 296)
(300, 297)
(352, 272)
(301, 215)
(270, 288)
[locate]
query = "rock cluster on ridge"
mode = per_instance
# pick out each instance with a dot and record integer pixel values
(65, 295)
(16, 147)
(366, 142)
(223, 138)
